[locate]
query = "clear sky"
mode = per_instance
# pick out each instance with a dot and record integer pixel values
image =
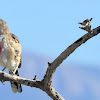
(49, 26)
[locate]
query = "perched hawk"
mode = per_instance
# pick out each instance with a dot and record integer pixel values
(10, 53)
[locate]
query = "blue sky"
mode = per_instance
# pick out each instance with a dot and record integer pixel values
(49, 26)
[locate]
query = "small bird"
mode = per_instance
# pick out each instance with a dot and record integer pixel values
(10, 53)
(87, 25)
(86, 22)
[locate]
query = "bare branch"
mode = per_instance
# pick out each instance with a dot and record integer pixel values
(32, 83)
(52, 68)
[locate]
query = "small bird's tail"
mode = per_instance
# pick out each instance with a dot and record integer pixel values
(16, 87)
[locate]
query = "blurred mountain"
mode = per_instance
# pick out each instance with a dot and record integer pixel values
(72, 81)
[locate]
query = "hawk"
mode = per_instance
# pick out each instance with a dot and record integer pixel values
(10, 53)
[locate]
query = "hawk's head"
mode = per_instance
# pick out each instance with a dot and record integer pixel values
(4, 29)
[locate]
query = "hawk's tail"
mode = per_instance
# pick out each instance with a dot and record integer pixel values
(16, 87)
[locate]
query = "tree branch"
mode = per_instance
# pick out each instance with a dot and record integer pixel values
(53, 66)
(46, 83)
(32, 83)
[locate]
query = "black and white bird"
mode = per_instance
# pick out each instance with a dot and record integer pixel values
(86, 22)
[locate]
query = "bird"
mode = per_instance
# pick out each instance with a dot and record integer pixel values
(10, 53)
(87, 25)
(86, 22)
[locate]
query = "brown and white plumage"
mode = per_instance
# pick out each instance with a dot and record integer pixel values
(4, 26)
(10, 53)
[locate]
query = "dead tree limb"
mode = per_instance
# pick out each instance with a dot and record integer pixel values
(46, 83)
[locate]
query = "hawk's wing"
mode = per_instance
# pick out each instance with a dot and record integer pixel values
(15, 47)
